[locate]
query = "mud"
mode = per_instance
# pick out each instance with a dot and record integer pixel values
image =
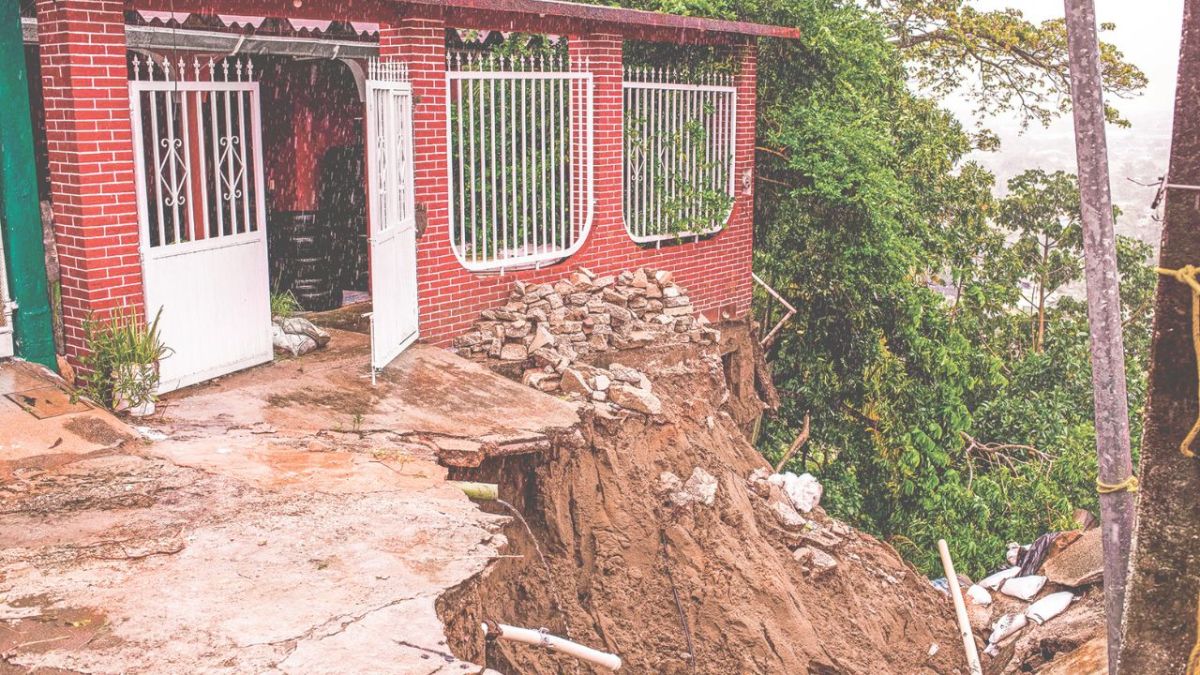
(645, 579)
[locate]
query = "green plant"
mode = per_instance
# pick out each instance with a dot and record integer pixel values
(284, 304)
(120, 368)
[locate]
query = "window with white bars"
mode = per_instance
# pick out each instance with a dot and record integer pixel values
(680, 135)
(521, 156)
(198, 148)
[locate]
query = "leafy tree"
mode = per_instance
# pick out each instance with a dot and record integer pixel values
(931, 415)
(1011, 63)
(1042, 211)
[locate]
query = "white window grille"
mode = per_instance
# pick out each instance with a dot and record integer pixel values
(520, 152)
(679, 147)
(196, 132)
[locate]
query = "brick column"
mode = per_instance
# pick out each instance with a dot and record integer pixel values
(741, 222)
(601, 55)
(90, 144)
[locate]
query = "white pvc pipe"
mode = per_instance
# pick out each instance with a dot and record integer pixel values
(555, 643)
(960, 610)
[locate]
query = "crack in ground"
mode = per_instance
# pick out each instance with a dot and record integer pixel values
(347, 620)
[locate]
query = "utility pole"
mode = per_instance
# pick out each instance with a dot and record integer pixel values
(1116, 480)
(19, 213)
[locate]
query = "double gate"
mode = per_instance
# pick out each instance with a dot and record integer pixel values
(202, 212)
(392, 214)
(201, 206)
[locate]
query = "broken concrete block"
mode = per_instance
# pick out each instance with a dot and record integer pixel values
(574, 382)
(540, 379)
(702, 486)
(636, 399)
(604, 281)
(815, 560)
(663, 277)
(787, 516)
(671, 292)
(601, 382)
(513, 352)
(542, 338)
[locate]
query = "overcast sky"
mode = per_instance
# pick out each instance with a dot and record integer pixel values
(1148, 33)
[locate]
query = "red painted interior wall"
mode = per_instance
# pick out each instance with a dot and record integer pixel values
(308, 108)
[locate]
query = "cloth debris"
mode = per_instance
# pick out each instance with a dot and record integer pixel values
(296, 335)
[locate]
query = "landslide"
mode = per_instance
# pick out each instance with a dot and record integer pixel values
(632, 573)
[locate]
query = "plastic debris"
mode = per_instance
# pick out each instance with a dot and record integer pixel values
(1005, 627)
(1023, 588)
(979, 595)
(1014, 553)
(994, 581)
(149, 434)
(1049, 607)
(1033, 555)
(804, 490)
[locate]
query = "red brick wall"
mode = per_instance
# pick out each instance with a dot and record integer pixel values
(91, 168)
(716, 271)
(90, 151)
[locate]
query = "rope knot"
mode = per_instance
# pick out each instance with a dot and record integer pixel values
(1130, 484)
(1188, 275)
(1184, 275)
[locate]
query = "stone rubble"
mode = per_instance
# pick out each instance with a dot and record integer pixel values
(549, 329)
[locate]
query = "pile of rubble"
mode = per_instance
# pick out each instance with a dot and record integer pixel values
(550, 328)
(1057, 577)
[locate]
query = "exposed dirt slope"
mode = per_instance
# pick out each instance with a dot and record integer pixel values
(619, 551)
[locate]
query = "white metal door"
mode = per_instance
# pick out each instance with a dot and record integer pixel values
(392, 212)
(201, 204)
(6, 308)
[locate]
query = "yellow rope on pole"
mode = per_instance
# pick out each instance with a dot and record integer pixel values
(1129, 485)
(1187, 275)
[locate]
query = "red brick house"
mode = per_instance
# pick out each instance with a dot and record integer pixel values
(198, 153)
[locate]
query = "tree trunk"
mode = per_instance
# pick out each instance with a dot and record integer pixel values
(1164, 581)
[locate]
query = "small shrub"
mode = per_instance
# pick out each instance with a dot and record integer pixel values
(121, 364)
(284, 304)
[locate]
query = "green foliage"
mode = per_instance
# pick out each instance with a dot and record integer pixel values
(120, 367)
(1010, 63)
(284, 304)
(935, 410)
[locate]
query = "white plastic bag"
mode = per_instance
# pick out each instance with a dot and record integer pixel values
(804, 490)
(1024, 588)
(979, 595)
(1005, 627)
(994, 581)
(1049, 607)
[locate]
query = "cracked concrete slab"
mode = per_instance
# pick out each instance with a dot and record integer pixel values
(294, 520)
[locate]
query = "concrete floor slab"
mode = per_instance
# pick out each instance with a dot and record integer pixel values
(79, 430)
(292, 519)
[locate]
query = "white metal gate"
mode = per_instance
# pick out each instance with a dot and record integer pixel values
(201, 205)
(392, 211)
